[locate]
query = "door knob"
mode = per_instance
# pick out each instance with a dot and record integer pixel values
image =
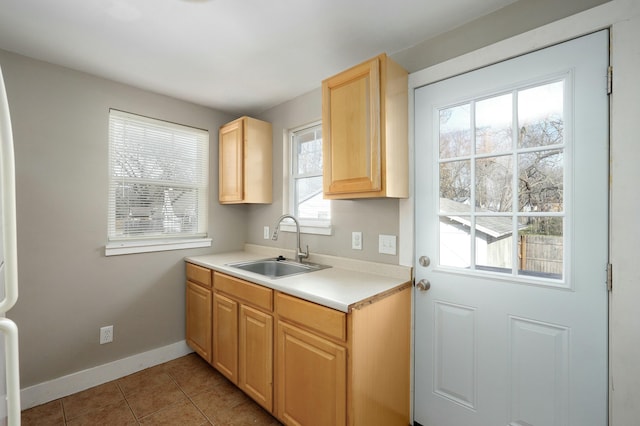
(423, 285)
(424, 261)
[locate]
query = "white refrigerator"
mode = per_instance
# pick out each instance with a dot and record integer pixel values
(9, 368)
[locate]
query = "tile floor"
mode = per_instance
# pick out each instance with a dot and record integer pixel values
(186, 391)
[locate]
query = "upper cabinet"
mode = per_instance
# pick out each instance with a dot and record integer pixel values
(245, 162)
(364, 127)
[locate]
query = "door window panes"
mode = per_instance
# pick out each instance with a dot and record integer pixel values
(540, 181)
(501, 199)
(494, 184)
(455, 185)
(494, 124)
(455, 131)
(540, 115)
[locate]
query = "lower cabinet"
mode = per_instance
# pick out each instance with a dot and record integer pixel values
(351, 369)
(243, 336)
(312, 378)
(305, 363)
(198, 308)
(256, 355)
(225, 336)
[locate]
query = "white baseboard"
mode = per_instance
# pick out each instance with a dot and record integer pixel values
(81, 380)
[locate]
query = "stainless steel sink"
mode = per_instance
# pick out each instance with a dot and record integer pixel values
(277, 267)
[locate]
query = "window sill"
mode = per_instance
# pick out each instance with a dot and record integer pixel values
(308, 229)
(147, 246)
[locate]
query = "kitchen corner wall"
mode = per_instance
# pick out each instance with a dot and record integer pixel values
(370, 216)
(68, 288)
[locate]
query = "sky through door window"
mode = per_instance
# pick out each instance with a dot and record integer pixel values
(502, 182)
(158, 179)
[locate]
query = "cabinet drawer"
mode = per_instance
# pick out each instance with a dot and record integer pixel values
(313, 316)
(199, 275)
(253, 294)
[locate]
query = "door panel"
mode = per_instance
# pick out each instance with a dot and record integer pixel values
(512, 209)
(455, 353)
(539, 370)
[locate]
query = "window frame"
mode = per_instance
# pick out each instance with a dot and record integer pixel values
(129, 244)
(307, 226)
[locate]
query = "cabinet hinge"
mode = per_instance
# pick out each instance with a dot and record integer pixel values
(609, 277)
(609, 80)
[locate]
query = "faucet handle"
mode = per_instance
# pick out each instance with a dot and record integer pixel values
(303, 254)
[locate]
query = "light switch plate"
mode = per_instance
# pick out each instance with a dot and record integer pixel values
(387, 244)
(356, 240)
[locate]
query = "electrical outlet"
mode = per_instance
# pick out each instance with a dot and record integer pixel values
(356, 240)
(265, 233)
(387, 244)
(106, 334)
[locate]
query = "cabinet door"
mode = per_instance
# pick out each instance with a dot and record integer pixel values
(199, 320)
(225, 336)
(256, 355)
(351, 130)
(231, 141)
(311, 382)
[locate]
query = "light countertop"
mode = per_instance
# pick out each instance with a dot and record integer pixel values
(347, 284)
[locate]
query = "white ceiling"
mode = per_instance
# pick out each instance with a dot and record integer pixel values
(239, 56)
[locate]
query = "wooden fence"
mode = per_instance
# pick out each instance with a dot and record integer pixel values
(541, 253)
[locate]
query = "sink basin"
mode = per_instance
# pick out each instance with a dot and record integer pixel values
(276, 267)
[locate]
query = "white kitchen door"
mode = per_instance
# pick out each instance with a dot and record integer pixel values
(512, 242)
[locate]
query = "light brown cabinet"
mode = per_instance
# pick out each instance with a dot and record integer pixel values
(243, 336)
(305, 363)
(344, 369)
(311, 365)
(365, 131)
(198, 307)
(245, 157)
(225, 336)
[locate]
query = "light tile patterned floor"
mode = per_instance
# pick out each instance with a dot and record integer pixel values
(186, 391)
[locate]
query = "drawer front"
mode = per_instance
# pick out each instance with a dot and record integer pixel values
(313, 316)
(253, 294)
(199, 275)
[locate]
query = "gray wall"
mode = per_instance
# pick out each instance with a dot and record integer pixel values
(68, 288)
(514, 19)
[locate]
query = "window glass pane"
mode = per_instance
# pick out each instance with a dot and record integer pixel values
(309, 147)
(455, 131)
(309, 201)
(541, 177)
(494, 129)
(306, 198)
(494, 184)
(541, 247)
(455, 241)
(455, 185)
(494, 243)
(540, 115)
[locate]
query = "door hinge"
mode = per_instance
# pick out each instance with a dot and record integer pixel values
(609, 80)
(609, 277)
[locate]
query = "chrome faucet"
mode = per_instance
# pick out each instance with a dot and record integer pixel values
(299, 253)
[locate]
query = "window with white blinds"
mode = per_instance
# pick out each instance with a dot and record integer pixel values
(158, 181)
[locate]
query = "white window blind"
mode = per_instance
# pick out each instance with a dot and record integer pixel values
(158, 179)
